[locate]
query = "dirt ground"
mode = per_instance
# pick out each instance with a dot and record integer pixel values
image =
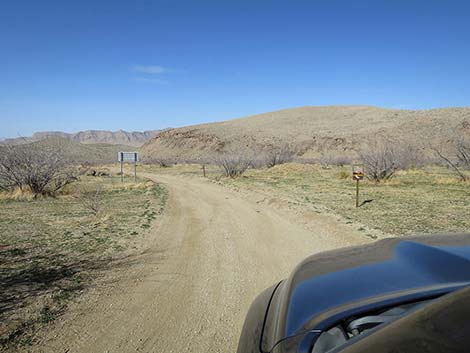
(212, 252)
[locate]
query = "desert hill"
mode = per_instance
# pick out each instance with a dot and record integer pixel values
(307, 130)
(133, 138)
(77, 152)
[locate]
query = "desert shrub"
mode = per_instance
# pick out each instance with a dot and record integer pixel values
(233, 165)
(258, 162)
(279, 155)
(409, 155)
(162, 162)
(92, 201)
(344, 175)
(454, 151)
(326, 159)
(4, 186)
(41, 171)
(202, 160)
(463, 153)
(383, 157)
(341, 161)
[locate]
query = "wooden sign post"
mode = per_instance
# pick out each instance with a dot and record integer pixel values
(358, 174)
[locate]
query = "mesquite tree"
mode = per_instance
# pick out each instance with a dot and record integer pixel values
(383, 157)
(279, 155)
(233, 165)
(40, 170)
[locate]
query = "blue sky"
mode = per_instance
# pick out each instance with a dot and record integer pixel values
(135, 65)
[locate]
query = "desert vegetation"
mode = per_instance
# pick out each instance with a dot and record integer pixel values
(161, 162)
(383, 157)
(71, 150)
(431, 198)
(278, 155)
(235, 164)
(232, 165)
(37, 170)
(91, 200)
(454, 151)
(389, 141)
(63, 221)
(53, 248)
(425, 200)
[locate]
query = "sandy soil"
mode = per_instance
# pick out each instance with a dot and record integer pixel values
(211, 254)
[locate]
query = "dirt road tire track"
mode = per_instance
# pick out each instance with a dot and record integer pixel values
(211, 254)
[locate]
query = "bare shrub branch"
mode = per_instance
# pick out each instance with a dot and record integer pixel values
(279, 155)
(454, 150)
(409, 155)
(10, 173)
(162, 162)
(27, 166)
(259, 162)
(383, 157)
(326, 159)
(462, 148)
(380, 159)
(233, 166)
(450, 163)
(92, 201)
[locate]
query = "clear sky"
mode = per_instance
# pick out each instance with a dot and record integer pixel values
(135, 65)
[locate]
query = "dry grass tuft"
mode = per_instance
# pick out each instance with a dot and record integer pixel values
(451, 181)
(18, 194)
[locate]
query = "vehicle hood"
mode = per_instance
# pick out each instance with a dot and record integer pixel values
(441, 326)
(326, 287)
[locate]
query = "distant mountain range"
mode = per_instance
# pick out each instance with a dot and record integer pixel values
(120, 137)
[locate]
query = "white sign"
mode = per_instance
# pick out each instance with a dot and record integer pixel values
(128, 157)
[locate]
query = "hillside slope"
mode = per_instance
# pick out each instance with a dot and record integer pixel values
(308, 130)
(133, 138)
(77, 152)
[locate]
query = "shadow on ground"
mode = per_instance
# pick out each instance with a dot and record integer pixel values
(37, 291)
(365, 202)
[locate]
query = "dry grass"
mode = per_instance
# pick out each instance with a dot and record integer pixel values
(51, 248)
(416, 201)
(17, 194)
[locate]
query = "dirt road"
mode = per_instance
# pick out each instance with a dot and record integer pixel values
(212, 252)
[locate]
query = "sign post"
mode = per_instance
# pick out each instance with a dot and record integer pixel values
(135, 167)
(358, 174)
(357, 193)
(121, 158)
(128, 157)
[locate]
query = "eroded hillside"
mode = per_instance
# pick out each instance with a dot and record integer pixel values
(307, 130)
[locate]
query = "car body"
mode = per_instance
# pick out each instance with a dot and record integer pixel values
(340, 300)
